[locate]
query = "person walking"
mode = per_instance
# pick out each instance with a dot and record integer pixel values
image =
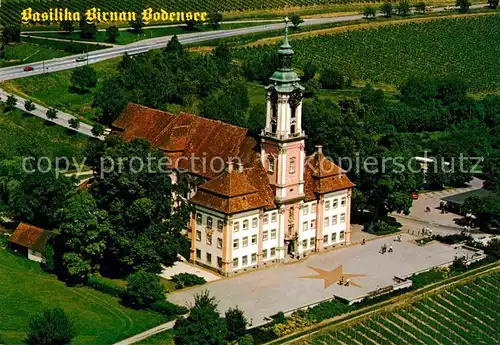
(390, 248)
(347, 282)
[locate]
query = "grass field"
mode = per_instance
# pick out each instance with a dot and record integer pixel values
(164, 338)
(53, 89)
(25, 53)
(464, 314)
(127, 37)
(22, 135)
(99, 318)
(468, 46)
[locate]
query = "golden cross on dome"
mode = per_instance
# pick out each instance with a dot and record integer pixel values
(333, 276)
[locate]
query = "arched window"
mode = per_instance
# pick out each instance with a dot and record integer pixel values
(271, 163)
(274, 110)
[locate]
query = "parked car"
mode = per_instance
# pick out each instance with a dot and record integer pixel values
(28, 68)
(81, 58)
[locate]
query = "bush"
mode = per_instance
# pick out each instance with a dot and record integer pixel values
(52, 327)
(183, 280)
(106, 286)
(169, 309)
(294, 322)
(452, 239)
(143, 290)
(312, 88)
(331, 79)
(369, 12)
(246, 340)
(380, 228)
(327, 310)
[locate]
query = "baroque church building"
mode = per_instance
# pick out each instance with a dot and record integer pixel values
(262, 199)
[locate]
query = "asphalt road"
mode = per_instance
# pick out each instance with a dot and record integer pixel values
(69, 62)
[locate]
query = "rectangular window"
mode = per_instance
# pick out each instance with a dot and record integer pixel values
(235, 262)
(292, 165)
(304, 244)
(265, 235)
(327, 205)
(236, 226)
(335, 202)
(311, 242)
(343, 201)
(219, 261)
(220, 225)
(305, 209)
(342, 218)
(273, 234)
(254, 239)
(198, 235)
(313, 224)
(326, 222)
(254, 222)
(219, 242)
(271, 164)
(245, 242)
(313, 207)
(273, 217)
(334, 220)
(341, 235)
(209, 222)
(334, 237)
(254, 258)
(209, 258)
(209, 240)
(236, 244)
(265, 219)
(244, 260)
(198, 254)
(305, 226)
(325, 239)
(273, 252)
(264, 254)
(245, 224)
(199, 218)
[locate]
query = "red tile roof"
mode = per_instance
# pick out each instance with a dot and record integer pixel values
(31, 237)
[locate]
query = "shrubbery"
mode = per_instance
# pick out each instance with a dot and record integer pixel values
(143, 290)
(105, 286)
(183, 280)
(380, 228)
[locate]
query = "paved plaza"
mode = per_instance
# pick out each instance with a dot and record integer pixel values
(287, 287)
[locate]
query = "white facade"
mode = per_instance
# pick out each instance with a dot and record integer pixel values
(33, 255)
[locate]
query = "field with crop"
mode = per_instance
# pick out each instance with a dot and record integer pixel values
(467, 46)
(464, 314)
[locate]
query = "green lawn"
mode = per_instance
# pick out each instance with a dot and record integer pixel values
(25, 53)
(164, 338)
(53, 89)
(99, 318)
(127, 37)
(22, 135)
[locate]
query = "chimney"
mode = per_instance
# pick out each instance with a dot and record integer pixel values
(319, 149)
(239, 166)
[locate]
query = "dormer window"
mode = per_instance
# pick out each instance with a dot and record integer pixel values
(271, 163)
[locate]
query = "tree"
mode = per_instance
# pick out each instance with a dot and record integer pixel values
(87, 30)
(112, 33)
(493, 4)
(51, 114)
(84, 230)
(421, 7)
(463, 6)
(369, 12)
(11, 34)
(29, 106)
(296, 20)
(403, 8)
(83, 78)
(222, 53)
(67, 26)
(192, 24)
(331, 79)
(236, 324)
(52, 327)
(137, 25)
(97, 130)
(203, 325)
(215, 19)
(111, 98)
(74, 123)
(486, 210)
(386, 9)
(11, 102)
(174, 46)
(309, 72)
(143, 289)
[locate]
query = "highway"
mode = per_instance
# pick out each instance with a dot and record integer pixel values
(69, 62)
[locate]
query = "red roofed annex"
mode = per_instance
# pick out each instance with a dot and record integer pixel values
(258, 200)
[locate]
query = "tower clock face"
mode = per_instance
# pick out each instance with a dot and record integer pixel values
(295, 98)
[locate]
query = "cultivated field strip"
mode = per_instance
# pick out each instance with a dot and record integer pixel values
(467, 314)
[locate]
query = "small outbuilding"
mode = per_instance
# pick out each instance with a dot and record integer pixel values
(31, 241)
(456, 201)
